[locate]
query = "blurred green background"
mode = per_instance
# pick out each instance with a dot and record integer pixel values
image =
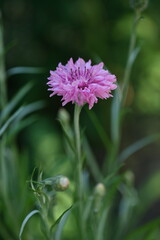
(44, 33)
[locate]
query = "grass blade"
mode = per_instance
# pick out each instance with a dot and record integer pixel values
(105, 139)
(24, 70)
(10, 120)
(149, 192)
(17, 127)
(101, 226)
(25, 222)
(61, 222)
(29, 109)
(91, 161)
(137, 146)
(115, 116)
(16, 99)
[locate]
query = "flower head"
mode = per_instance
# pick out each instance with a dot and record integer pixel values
(81, 83)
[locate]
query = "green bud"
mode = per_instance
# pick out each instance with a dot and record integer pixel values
(58, 183)
(129, 177)
(100, 190)
(139, 5)
(99, 193)
(61, 183)
(63, 115)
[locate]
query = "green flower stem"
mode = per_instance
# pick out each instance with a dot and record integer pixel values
(119, 101)
(45, 224)
(131, 57)
(77, 111)
(79, 193)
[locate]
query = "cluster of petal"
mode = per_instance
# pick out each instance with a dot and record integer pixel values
(81, 83)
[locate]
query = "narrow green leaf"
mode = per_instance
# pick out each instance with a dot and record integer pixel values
(60, 222)
(10, 120)
(29, 109)
(68, 135)
(112, 177)
(24, 70)
(115, 116)
(16, 99)
(31, 180)
(92, 163)
(102, 224)
(18, 126)
(133, 55)
(87, 209)
(21, 113)
(25, 222)
(105, 139)
(149, 192)
(137, 146)
(141, 232)
(59, 219)
(128, 202)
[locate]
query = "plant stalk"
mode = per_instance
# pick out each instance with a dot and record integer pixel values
(119, 101)
(131, 58)
(78, 158)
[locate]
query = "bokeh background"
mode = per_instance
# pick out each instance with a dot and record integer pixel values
(44, 33)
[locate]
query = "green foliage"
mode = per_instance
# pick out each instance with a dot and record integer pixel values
(81, 212)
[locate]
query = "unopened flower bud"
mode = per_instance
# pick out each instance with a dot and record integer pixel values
(63, 115)
(129, 177)
(58, 183)
(100, 189)
(99, 193)
(61, 183)
(139, 5)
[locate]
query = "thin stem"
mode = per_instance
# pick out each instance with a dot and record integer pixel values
(120, 97)
(131, 58)
(78, 150)
(45, 223)
(79, 193)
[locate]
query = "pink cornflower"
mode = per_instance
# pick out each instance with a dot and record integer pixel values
(81, 83)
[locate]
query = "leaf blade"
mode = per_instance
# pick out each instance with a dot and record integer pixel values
(25, 222)
(15, 100)
(24, 70)
(10, 120)
(137, 146)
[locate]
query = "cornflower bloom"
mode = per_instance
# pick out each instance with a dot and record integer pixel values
(81, 83)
